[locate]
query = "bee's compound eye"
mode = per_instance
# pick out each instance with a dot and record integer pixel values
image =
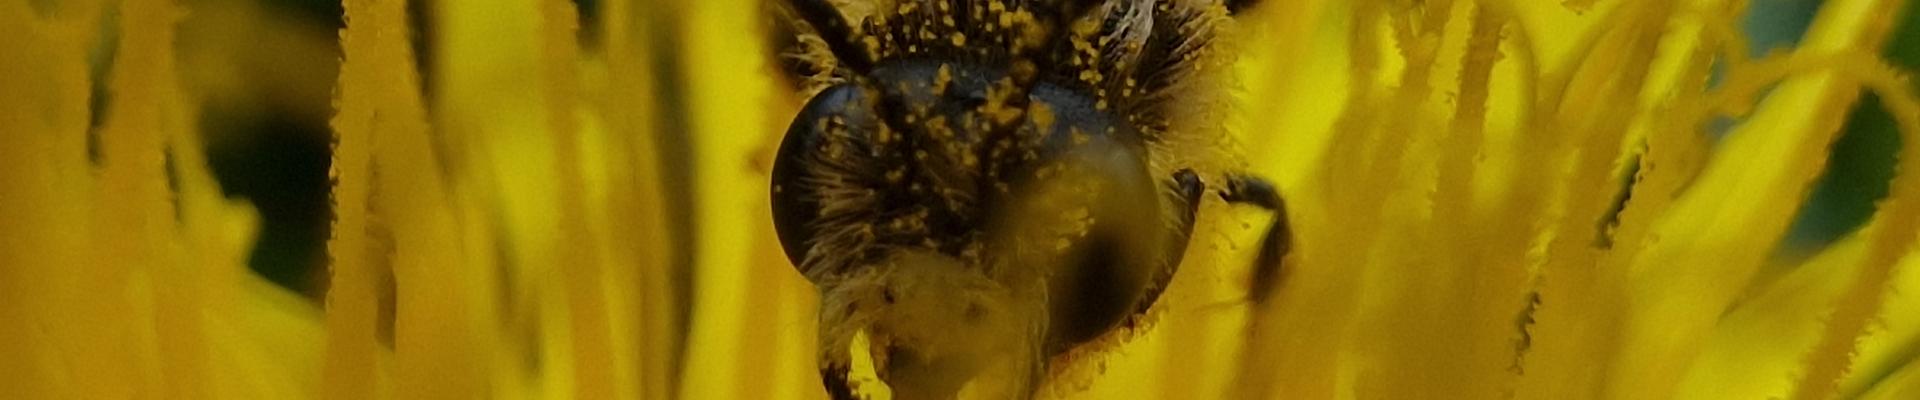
(1100, 211)
(1105, 275)
(832, 113)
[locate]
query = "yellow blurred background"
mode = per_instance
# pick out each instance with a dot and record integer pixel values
(258, 199)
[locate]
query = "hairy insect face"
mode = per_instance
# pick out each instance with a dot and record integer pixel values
(984, 186)
(926, 152)
(928, 171)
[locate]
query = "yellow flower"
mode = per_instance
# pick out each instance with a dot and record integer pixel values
(1425, 228)
(1491, 199)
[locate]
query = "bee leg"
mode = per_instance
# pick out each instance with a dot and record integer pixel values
(834, 378)
(1278, 241)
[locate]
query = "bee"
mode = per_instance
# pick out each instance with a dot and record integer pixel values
(983, 186)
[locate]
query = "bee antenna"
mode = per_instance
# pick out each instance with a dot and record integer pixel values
(834, 29)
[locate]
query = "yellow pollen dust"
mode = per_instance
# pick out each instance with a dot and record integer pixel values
(873, 45)
(1041, 115)
(937, 126)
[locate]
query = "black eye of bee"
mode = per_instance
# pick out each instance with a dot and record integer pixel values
(795, 210)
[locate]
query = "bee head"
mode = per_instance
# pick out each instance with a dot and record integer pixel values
(976, 187)
(958, 236)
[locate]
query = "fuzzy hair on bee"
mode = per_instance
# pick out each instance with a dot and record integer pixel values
(985, 187)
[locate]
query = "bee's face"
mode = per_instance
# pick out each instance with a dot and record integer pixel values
(972, 193)
(959, 219)
(940, 145)
(930, 156)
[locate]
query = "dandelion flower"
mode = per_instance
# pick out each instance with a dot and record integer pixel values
(556, 199)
